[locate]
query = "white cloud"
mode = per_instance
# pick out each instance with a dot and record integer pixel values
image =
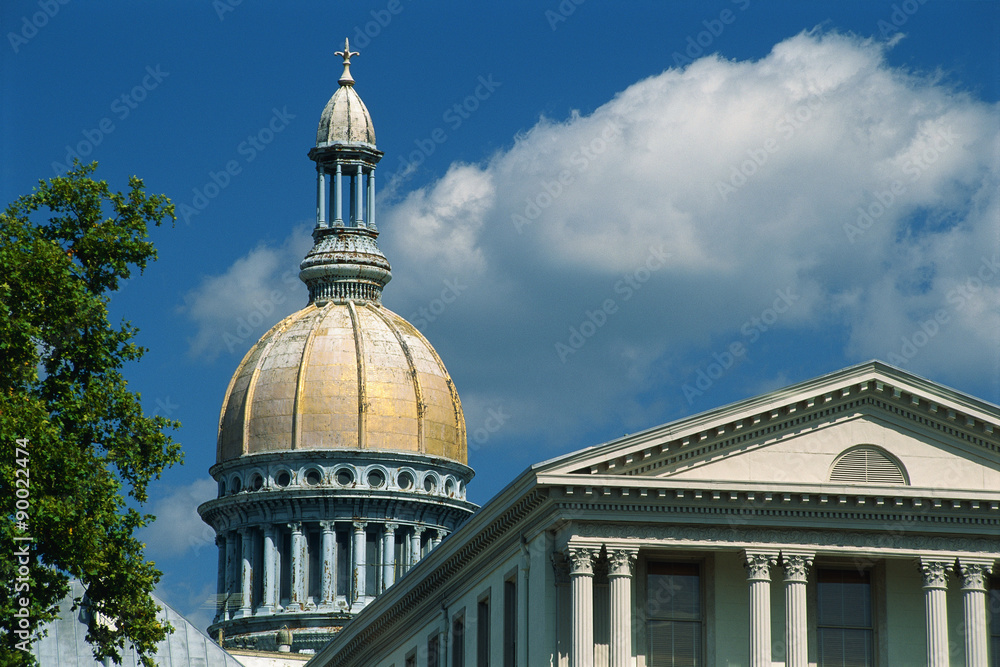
(178, 528)
(865, 194)
(232, 310)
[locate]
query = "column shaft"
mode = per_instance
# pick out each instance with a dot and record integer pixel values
(796, 627)
(370, 200)
(320, 197)
(415, 545)
(297, 569)
(270, 573)
(359, 211)
(582, 603)
(360, 549)
(759, 578)
(389, 555)
(621, 563)
(328, 573)
(974, 605)
(220, 604)
(230, 569)
(337, 198)
(246, 572)
(935, 579)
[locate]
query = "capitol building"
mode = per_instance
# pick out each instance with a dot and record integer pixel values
(848, 520)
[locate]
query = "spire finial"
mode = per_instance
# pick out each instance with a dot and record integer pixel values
(346, 79)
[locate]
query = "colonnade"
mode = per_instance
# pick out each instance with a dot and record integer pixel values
(759, 564)
(362, 203)
(246, 550)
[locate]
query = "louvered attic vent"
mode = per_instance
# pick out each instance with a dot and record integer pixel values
(867, 465)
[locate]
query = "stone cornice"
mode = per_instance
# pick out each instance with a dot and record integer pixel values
(742, 502)
(821, 542)
(882, 389)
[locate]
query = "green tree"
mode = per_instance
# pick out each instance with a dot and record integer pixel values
(76, 444)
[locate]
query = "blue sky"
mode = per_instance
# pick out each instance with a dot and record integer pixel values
(636, 211)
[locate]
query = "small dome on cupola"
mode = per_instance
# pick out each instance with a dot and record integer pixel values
(345, 118)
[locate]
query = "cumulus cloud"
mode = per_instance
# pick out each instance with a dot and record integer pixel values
(232, 310)
(178, 528)
(589, 270)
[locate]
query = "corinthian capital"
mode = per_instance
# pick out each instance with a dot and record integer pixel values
(935, 573)
(621, 563)
(758, 565)
(581, 560)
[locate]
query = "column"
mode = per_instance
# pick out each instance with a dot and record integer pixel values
(371, 198)
(389, 555)
(270, 574)
(415, 545)
(220, 603)
(328, 572)
(935, 577)
(359, 211)
(621, 563)
(796, 568)
(974, 601)
(230, 568)
(320, 196)
(338, 220)
(360, 548)
(296, 594)
(758, 567)
(246, 572)
(581, 576)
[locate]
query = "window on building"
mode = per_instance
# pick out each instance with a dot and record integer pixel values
(993, 605)
(434, 651)
(483, 633)
(674, 609)
(411, 660)
(510, 622)
(458, 641)
(844, 628)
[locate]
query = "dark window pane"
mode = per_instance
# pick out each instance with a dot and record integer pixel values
(673, 600)
(844, 624)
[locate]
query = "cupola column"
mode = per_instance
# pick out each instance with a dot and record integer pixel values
(389, 555)
(269, 576)
(338, 198)
(358, 180)
(246, 572)
(360, 548)
(328, 574)
(370, 199)
(320, 196)
(415, 545)
(220, 605)
(230, 569)
(298, 568)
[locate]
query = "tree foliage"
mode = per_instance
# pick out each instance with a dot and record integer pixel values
(90, 451)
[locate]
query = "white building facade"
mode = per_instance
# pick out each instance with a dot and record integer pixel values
(853, 519)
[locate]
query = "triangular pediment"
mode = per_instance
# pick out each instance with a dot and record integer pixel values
(868, 424)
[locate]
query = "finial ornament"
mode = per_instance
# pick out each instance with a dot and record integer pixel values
(346, 79)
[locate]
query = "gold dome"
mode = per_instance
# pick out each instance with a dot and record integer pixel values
(342, 376)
